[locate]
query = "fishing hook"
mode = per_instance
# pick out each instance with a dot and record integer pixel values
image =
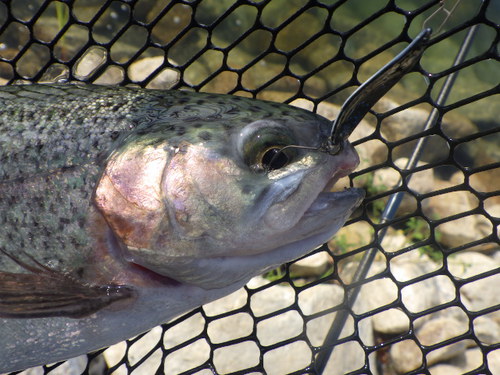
(364, 98)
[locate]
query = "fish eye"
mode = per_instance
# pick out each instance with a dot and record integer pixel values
(274, 158)
(263, 146)
(268, 153)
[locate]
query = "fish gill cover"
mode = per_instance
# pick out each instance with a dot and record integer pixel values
(425, 298)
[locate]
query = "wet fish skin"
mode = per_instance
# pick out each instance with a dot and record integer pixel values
(68, 152)
(63, 132)
(91, 119)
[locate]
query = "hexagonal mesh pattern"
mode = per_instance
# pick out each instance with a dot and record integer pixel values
(424, 299)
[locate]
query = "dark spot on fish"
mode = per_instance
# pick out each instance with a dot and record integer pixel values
(175, 114)
(183, 148)
(197, 125)
(254, 108)
(205, 135)
(29, 116)
(79, 120)
(183, 101)
(81, 221)
(101, 157)
(232, 111)
(39, 202)
(246, 189)
(114, 135)
(79, 272)
(181, 130)
(64, 169)
(64, 220)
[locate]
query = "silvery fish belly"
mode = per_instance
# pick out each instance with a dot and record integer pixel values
(121, 208)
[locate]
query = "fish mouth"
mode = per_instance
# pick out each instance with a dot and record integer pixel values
(306, 192)
(347, 199)
(327, 197)
(329, 210)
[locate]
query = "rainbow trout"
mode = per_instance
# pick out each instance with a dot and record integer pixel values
(121, 208)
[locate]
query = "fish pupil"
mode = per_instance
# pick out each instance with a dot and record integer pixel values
(274, 158)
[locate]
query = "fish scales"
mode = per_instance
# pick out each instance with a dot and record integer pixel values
(50, 140)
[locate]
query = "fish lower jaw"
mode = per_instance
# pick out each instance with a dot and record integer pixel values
(319, 222)
(340, 201)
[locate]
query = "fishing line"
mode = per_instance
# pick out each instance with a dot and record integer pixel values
(443, 9)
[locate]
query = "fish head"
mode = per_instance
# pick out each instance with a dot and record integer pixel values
(216, 210)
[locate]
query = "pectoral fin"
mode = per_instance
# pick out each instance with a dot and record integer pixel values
(45, 292)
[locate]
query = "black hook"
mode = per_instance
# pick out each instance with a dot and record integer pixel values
(362, 100)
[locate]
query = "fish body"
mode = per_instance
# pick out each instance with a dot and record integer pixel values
(121, 208)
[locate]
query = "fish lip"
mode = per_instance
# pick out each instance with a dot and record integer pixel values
(332, 168)
(326, 199)
(345, 168)
(332, 181)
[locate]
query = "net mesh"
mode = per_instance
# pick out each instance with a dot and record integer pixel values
(429, 301)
